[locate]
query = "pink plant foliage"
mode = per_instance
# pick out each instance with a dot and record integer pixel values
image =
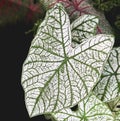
(74, 4)
(12, 9)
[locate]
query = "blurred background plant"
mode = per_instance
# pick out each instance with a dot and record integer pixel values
(111, 9)
(12, 11)
(33, 11)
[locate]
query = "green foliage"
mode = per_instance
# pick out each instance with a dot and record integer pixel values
(35, 27)
(108, 6)
(117, 22)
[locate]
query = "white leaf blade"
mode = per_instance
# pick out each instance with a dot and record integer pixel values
(87, 62)
(90, 109)
(108, 88)
(48, 77)
(84, 27)
(36, 74)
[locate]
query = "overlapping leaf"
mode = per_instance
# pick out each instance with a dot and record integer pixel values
(55, 75)
(108, 87)
(84, 27)
(90, 109)
(115, 108)
(114, 105)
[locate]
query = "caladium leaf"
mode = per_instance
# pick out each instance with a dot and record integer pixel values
(55, 75)
(108, 87)
(90, 109)
(84, 27)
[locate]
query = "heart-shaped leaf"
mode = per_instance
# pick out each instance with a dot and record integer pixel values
(55, 75)
(84, 27)
(90, 109)
(108, 87)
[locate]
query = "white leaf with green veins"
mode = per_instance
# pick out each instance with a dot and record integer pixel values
(108, 87)
(84, 27)
(90, 109)
(55, 75)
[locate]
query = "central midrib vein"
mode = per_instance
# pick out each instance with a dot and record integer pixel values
(57, 70)
(42, 89)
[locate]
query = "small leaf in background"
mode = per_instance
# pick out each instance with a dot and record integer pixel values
(108, 87)
(55, 75)
(90, 109)
(84, 27)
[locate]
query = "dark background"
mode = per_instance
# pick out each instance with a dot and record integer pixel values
(14, 45)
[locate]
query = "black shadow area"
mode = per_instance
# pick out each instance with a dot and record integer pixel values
(14, 45)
